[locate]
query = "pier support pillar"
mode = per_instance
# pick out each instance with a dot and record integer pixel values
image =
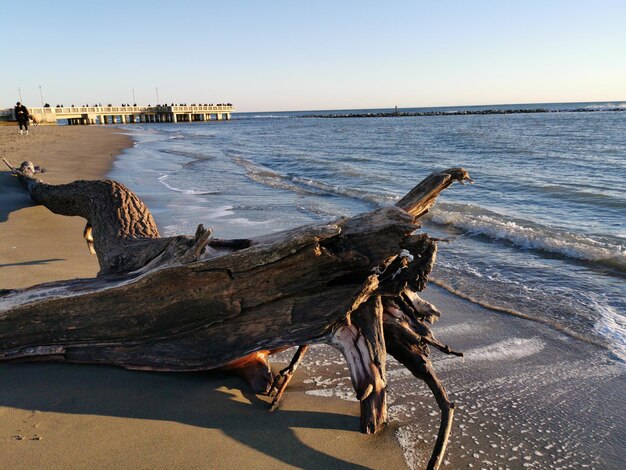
(190, 117)
(219, 116)
(174, 117)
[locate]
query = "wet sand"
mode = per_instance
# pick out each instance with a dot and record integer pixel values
(527, 396)
(86, 417)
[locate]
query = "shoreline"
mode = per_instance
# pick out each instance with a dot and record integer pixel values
(84, 416)
(527, 395)
(557, 327)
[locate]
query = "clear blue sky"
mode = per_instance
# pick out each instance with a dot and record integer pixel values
(293, 55)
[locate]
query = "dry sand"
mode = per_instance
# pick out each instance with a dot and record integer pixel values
(56, 416)
(38, 246)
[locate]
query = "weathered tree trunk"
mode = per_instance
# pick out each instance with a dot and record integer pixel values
(190, 303)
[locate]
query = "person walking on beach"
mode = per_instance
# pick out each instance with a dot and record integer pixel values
(21, 114)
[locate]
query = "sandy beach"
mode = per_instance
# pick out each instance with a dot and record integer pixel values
(528, 396)
(84, 417)
(40, 246)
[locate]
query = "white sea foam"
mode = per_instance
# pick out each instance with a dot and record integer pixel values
(264, 116)
(408, 441)
(612, 325)
(606, 106)
(248, 222)
(531, 236)
(163, 180)
(222, 211)
(508, 350)
(338, 392)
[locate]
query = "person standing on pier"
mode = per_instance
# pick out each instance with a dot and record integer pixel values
(21, 114)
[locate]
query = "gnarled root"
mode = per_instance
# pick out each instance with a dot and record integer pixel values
(403, 344)
(362, 343)
(285, 375)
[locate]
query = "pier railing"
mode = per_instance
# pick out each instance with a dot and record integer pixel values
(101, 114)
(130, 109)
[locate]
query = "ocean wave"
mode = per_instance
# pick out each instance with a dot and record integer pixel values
(321, 212)
(262, 116)
(600, 341)
(196, 192)
(182, 153)
(609, 331)
(528, 235)
(354, 193)
(303, 185)
(269, 177)
(606, 106)
(606, 198)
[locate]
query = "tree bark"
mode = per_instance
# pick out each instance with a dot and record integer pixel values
(191, 303)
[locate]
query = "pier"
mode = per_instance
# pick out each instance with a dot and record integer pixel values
(126, 114)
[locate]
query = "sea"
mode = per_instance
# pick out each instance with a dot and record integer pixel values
(540, 234)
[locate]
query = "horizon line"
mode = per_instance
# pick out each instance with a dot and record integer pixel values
(434, 107)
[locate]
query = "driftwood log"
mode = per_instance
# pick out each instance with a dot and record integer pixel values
(189, 303)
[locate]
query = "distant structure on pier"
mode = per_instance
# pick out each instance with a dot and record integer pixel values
(126, 114)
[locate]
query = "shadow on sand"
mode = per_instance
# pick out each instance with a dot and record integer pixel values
(12, 195)
(197, 399)
(33, 263)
